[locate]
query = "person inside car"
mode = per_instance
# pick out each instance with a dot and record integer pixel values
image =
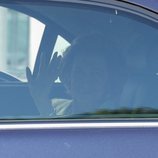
(87, 73)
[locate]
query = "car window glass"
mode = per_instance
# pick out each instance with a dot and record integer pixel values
(93, 62)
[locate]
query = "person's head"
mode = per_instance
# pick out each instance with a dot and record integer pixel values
(85, 71)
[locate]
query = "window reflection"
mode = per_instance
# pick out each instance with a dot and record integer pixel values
(104, 68)
(19, 42)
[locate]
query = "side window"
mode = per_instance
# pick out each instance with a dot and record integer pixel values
(19, 42)
(93, 62)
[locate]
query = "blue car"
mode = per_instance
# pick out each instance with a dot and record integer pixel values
(78, 78)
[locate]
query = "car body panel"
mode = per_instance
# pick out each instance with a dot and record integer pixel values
(80, 143)
(152, 4)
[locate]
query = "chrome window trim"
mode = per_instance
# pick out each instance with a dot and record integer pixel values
(74, 125)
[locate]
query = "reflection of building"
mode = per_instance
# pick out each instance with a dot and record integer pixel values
(17, 42)
(3, 24)
(14, 42)
(20, 37)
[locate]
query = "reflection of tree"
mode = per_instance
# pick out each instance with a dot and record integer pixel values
(141, 112)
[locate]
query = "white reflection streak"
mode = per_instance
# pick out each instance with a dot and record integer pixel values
(36, 33)
(116, 12)
(77, 125)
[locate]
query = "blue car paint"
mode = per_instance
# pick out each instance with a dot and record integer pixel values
(80, 143)
(100, 143)
(151, 4)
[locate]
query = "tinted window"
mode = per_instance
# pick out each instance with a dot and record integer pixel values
(92, 62)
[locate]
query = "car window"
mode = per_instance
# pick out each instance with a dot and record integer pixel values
(78, 62)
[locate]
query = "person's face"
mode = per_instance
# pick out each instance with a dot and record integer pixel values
(88, 79)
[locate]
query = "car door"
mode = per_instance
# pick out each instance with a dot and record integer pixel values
(124, 121)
